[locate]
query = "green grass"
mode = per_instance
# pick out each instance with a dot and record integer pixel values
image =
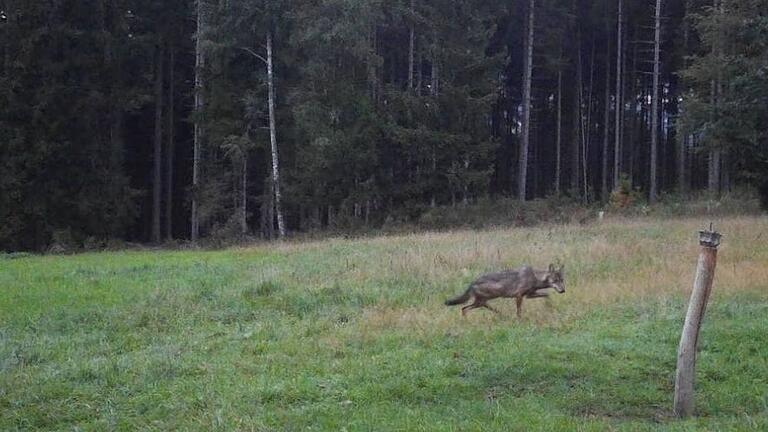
(352, 335)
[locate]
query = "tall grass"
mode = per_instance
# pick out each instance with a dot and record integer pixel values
(352, 334)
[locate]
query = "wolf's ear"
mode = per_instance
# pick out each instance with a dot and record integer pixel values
(551, 267)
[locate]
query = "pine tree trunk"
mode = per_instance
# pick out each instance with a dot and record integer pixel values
(714, 154)
(606, 118)
(433, 201)
(533, 157)
(714, 173)
(6, 39)
(419, 75)
(157, 183)
(558, 138)
(116, 113)
(663, 158)
(273, 138)
(587, 129)
(116, 136)
(244, 195)
(619, 97)
(636, 121)
(198, 128)
(372, 66)
(527, 67)
(410, 50)
(577, 119)
(435, 76)
(655, 106)
(575, 139)
(683, 141)
(681, 161)
(171, 146)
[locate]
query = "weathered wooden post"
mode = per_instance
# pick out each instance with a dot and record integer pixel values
(686, 352)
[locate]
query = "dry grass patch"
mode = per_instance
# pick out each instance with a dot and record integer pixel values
(353, 334)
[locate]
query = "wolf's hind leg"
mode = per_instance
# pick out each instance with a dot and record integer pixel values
(466, 308)
(485, 305)
(477, 303)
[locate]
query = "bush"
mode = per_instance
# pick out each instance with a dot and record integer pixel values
(624, 196)
(226, 234)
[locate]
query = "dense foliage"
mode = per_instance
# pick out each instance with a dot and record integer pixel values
(382, 109)
(729, 86)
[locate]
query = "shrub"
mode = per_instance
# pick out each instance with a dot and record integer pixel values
(624, 196)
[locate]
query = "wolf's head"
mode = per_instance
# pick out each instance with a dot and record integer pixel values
(555, 278)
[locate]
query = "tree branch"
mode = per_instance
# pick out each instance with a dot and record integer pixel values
(254, 53)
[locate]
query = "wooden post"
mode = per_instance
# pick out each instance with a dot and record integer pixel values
(686, 352)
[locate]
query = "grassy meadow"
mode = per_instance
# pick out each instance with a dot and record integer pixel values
(352, 334)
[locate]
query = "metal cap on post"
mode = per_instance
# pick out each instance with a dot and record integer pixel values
(709, 238)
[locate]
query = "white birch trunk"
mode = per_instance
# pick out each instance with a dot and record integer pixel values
(273, 139)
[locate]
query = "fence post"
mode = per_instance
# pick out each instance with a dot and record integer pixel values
(686, 352)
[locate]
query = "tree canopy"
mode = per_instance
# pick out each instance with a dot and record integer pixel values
(380, 109)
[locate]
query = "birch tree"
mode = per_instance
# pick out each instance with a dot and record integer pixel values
(526, 126)
(273, 138)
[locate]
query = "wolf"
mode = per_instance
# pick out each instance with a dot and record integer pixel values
(522, 283)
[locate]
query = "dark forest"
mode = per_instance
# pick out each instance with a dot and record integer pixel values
(148, 121)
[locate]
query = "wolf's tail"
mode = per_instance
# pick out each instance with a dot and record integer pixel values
(460, 299)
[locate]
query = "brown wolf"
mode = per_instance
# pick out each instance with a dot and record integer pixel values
(521, 283)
